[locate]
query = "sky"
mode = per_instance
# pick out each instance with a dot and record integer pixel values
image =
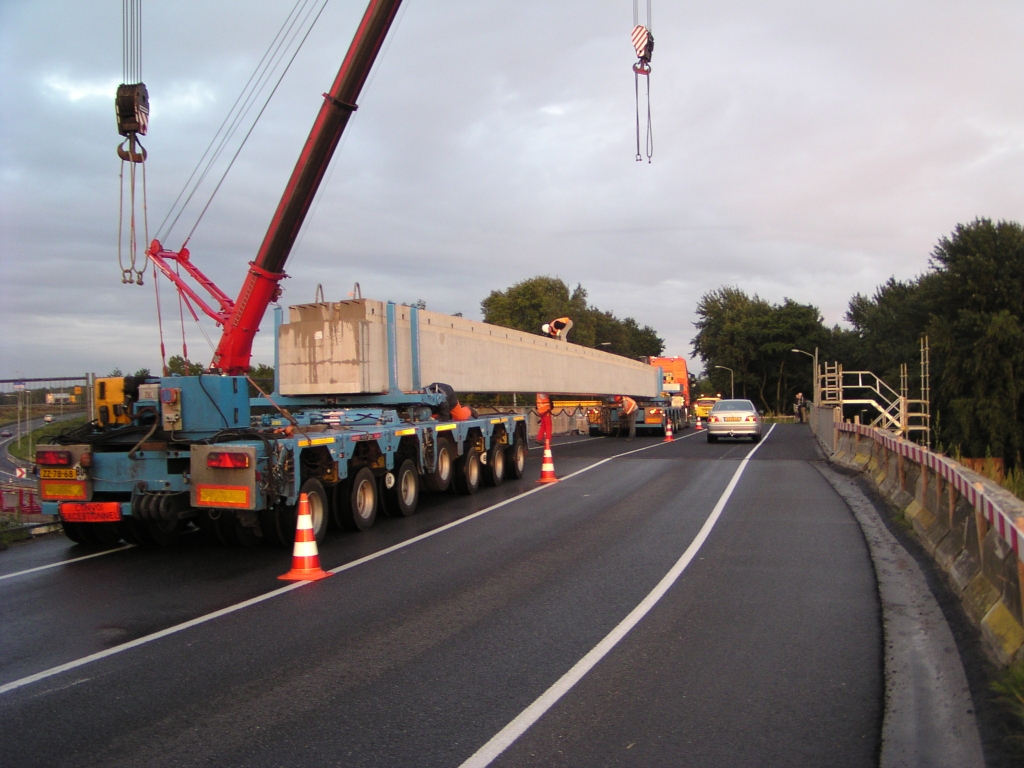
(803, 150)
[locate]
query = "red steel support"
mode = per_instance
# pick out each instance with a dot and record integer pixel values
(265, 273)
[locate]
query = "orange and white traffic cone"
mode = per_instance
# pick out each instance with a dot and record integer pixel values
(699, 425)
(547, 468)
(668, 432)
(305, 557)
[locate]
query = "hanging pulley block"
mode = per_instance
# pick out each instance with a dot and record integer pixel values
(132, 107)
(643, 43)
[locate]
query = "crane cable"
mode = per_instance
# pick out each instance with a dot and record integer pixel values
(132, 109)
(643, 43)
(296, 27)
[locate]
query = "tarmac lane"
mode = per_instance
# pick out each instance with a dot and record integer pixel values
(422, 649)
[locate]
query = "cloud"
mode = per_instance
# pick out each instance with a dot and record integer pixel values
(77, 90)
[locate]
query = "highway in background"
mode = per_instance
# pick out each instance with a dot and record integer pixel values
(765, 651)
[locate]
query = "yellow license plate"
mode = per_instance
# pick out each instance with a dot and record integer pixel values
(733, 418)
(58, 474)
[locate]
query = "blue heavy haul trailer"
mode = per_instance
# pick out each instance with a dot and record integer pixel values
(239, 480)
(184, 450)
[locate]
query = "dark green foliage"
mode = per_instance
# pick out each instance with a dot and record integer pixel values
(179, 365)
(755, 339)
(971, 306)
(527, 305)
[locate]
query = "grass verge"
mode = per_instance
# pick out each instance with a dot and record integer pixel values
(42, 436)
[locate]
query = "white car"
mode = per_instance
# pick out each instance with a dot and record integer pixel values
(48, 418)
(734, 418)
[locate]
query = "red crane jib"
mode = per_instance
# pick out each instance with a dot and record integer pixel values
(241, 318)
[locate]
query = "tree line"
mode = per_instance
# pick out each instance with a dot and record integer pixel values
(969, 304)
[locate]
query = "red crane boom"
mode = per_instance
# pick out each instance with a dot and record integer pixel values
(241, 318)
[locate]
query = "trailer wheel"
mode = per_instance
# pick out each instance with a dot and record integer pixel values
(468, 473)
(318, 508)
(105, 534)
(358, 509)
(164, 533)
(285, 520)
(515, 459)
(73, 531)
(494, 472)
(441, 477)
(268, 522)
(400, 499)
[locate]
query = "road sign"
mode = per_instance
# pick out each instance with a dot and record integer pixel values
(19, 386)
(21, 473)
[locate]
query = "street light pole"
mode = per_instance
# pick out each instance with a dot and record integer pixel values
(732, 380)
(814, 357)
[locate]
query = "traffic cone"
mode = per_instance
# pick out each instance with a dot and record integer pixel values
(305, 557)
(547, 468)
(668, 432)
(699, 425)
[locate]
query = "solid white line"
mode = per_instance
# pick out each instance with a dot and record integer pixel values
(282, 590)
(65, 562)
(507, 735)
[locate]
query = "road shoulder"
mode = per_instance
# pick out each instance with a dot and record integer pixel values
(929, 712)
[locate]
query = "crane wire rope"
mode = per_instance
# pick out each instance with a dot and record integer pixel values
(297, 23)
(642, 67)
(263, 68)
(135, 154)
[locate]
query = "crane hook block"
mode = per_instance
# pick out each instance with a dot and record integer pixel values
(132, 107)
(643, 43)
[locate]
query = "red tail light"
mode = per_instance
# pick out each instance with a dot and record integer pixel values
(750, 418)
(714, 418)
(54, 458)
(227, 460)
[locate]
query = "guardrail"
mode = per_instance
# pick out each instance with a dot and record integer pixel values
(970, 525)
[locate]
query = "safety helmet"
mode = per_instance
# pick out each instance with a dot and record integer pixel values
(546, 328)
(618, 398)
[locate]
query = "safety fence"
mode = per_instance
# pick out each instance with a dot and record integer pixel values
(970, 525)
(18, 501)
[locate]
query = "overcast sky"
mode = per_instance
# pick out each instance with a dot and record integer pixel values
(802, 149)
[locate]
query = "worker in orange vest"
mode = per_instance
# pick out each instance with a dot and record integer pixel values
(544, 411)
(627, 414)
(557, 329)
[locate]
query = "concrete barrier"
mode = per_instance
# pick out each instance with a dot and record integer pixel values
(970, 525)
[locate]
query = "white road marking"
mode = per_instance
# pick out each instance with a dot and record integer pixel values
(65, 562)
(507, 735)
(20, 683)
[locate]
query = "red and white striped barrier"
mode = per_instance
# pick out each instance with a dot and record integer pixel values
(950, 471)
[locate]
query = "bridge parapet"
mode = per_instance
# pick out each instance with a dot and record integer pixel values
(970, 525)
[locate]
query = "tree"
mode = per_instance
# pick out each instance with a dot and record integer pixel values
(179, 365)
(976, 301)
(527, 305)
(755, 340)
(142, 373)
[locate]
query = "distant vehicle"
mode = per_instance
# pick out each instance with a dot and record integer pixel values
(734, 418)
(703, 405)
(5, 433)
(48, 418)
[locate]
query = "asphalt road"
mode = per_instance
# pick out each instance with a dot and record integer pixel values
(766, 649)
(7, 466)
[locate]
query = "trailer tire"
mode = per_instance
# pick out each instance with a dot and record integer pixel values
(285, 520)
(105, 534)
(269, 524)
(515, 459)
(494, 472)
(468, 473)
(319, 509)
(358, 509)
(441, 478)
(73, 531)
(129, 532)
(164, 533)
(400, 499)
